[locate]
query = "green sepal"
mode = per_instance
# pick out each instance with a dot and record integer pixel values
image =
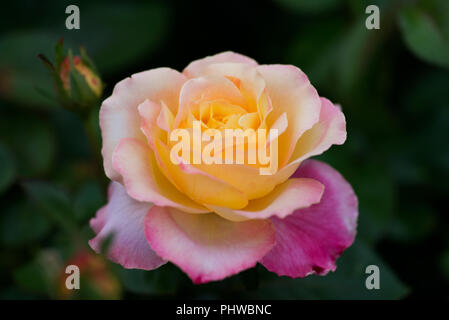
(79, 88)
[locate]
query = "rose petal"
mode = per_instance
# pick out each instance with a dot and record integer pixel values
(118, 114)
(198, 185)
(310, 240)
(290, 91)
(99, 220)
(249, 121)
(329, 130)
(123, 218)
(280, 125)
(245, 77)
(247, 178)
(295, 193)
(197, 67)
(165, 119)
(206, 89)
(143, 181)
(150, 112)
(207, 247)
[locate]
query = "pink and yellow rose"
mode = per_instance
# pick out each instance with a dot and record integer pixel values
(215, 220)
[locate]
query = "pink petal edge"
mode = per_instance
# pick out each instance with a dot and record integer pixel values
(122, 217)
(310, 240)
(207, 247)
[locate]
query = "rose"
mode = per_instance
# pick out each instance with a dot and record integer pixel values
(217, 220)
(91, 79)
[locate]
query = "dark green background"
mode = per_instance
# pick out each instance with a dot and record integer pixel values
(392, 83)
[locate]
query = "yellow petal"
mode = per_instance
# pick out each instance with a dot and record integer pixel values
(198, 185)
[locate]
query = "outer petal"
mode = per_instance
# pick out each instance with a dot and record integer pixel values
(206, 246)
(118, 114)
(135, 161)
(329, 130)
(310, 240)
(296, 193)
(197, 67)
(123, 217)
(290, 91)
(99, 220)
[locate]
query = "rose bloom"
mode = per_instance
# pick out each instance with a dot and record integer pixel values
(216, 220)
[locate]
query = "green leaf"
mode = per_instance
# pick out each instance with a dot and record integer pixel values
(80, 91)
(31, 277)
(7, 169)
(21, 224)
(87, 61)
(89, 198)
(376, 193)
(32, 142)
(53, 201)
(314, 56)
(59, 55)
(347, 282)
(424, 35)
(354, 53)
(21, 69)
(42, 274)
(73, 143)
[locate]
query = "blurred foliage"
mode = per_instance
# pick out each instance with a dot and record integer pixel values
(392, 84)
(426, 30)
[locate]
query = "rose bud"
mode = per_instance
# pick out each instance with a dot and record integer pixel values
(76, 80)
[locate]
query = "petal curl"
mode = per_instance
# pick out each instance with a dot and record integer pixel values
(329, 130)
(290, 91)
(310, 240)
(150, 112)
(198, 185)
(197, 67)
(204, 89)
(143, 181)
(245, 77)
(118, 114)
(123, 218)
(207, 247)
(247, 178)
(295, 193)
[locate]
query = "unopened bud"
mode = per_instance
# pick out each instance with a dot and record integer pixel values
(77, 83)
(92, 80)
